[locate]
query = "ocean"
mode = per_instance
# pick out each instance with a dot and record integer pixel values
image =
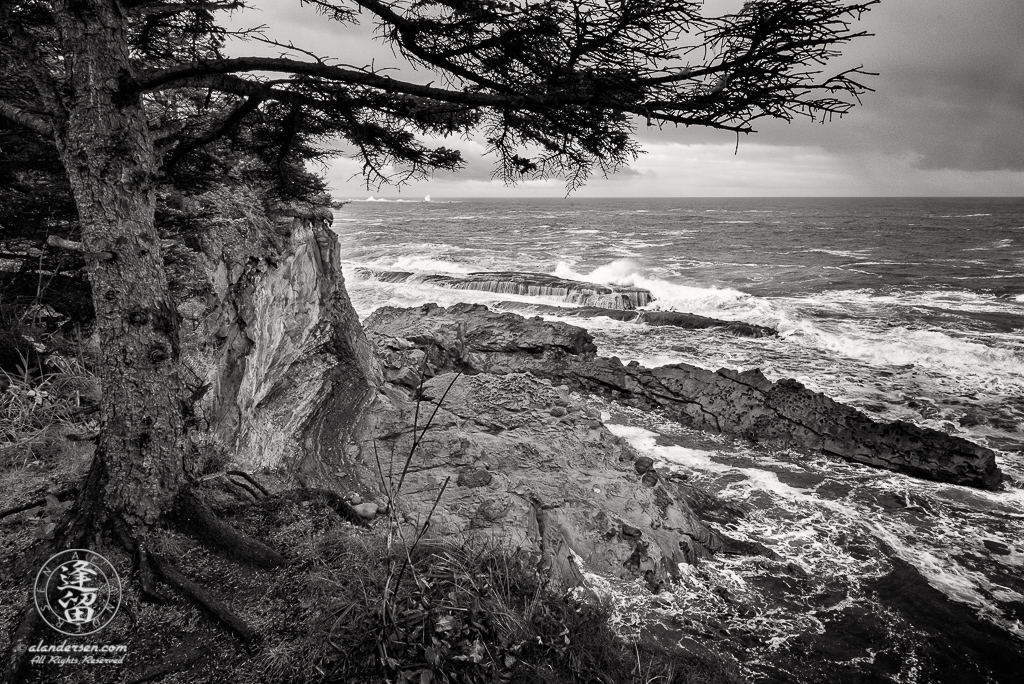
(909, 309)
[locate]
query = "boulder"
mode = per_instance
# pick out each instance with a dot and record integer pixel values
(272, 344)
(366, 510)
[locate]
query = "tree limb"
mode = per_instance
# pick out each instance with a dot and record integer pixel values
(28, 120)
(172, 76)
(202, 598)
(248, 106)
(72, 246)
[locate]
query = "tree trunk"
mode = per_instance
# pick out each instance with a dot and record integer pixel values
(107, 149)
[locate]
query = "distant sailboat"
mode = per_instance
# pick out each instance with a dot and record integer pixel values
(427, 198)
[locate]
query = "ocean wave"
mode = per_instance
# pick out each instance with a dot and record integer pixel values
(426, 264)
(948, 299)
(369, 294)
(846, 253)
(812, 528)
(902, 346)
(705, 301)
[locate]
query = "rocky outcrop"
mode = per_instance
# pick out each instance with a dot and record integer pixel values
(676, 319)
(286, 380)
(274, 348)
(747, 404)
(530, 284)
(514, 459)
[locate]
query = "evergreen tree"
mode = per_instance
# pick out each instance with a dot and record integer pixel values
(119, 94)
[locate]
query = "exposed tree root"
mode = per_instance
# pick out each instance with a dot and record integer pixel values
(62, 495)
(202, 598)
(332, 499)
(235, 485)
(87, 519)
(249, 478)
(21, 639)
(204, 523)
(144, 574)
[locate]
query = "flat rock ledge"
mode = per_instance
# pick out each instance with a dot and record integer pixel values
(477, 340)
(529, 284)
(675, 319)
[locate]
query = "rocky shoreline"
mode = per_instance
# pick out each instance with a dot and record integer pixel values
(675, 319)
(745, 404)
(491, 423)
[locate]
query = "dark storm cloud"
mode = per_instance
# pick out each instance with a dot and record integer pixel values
(949, 97)
(950, 89)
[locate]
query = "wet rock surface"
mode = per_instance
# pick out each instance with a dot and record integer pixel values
(677, 319)
(501, 470)
(746, 404)
(532, 284)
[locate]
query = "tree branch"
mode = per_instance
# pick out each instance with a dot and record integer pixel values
(248, 106)
(158, 79)
(26, 119)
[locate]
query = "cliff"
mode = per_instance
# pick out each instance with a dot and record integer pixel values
(273, 345)
(479, 420)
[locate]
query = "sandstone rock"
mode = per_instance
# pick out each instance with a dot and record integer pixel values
(740, 403)
(567, 491)
(474, 478)
(630, 531)
(272, 334)
(355, 499)
(643, 464)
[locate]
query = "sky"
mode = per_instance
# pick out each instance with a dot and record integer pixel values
(946, 117)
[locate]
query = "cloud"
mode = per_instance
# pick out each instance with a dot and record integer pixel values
(714, 170)
(951, 88)
(946, 116)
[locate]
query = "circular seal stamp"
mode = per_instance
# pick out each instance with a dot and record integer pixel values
(77, 592)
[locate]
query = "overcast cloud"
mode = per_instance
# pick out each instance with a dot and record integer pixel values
(946, 118)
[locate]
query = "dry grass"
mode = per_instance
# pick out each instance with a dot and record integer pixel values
(460, 614)
(40, 408)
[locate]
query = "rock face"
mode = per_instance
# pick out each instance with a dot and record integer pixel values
(676, 319)
(533, 284)
(474, 338)
(275, 349)
(513, 460)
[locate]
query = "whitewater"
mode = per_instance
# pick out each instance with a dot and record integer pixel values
(909, 309)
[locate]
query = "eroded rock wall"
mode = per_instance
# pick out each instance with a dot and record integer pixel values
(273, 345)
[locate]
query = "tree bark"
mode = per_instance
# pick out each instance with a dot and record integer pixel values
(106, 147)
